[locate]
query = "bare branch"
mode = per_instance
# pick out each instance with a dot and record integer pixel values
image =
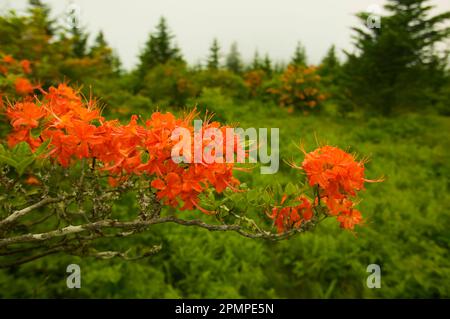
(141, 224)
(19, 213)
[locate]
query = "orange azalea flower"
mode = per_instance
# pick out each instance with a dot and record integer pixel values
(23, 86)
(22, 135)
(287, 218)
(3, 69)
(335, 171)
(32, 180)
(26, 66)
(349, 218)
(8, 59)
(25, 114)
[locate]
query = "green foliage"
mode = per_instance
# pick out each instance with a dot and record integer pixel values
(213, 100)
(21, 156)
(169, 84)
(230, 84)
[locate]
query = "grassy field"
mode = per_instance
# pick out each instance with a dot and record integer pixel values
(406, 229)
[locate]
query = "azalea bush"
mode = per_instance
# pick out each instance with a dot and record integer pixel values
(64, 166)
(298, 88)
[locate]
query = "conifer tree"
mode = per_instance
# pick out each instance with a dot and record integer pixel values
(234, 61)
(256, 63)
(214, 56)
(101, 49)
(159, 48)
(330, 65)
(299, 57)
(391, 64)
(267, 65)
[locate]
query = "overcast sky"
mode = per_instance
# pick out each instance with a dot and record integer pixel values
(270, 26)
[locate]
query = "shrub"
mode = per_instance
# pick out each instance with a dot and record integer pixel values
(298, 88)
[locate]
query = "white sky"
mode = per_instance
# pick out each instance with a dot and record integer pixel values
(272, 27)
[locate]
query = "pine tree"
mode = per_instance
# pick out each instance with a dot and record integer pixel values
(256, 63)
(101, 49)
(391, 63)
(299, 57)
(330, 64)
(267, 65)
(159, 49)
(214, 56)
(41, 16)
(79, 41)
(234, 61)
(76, 34)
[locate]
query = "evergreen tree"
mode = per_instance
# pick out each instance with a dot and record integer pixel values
(79, 40)
(330, 65)
(159, 48)
(299, 57)
(267, 65)
(256, 63)
(234, 61)
(391, 64)
(100, 49)
(214, 56)
(75, 35)
(41, 13)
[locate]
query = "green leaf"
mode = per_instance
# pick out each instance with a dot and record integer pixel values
(8, 160)
(252, 195)
(22, 166)
(42, 148)
(21, 151)
(290, 189)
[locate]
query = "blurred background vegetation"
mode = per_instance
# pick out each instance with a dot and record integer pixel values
(389, 100)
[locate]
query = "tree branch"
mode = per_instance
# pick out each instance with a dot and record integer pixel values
(139, 224)
(19, 213)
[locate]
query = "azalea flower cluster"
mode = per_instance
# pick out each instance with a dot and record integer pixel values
(77, 130)
(338, 177)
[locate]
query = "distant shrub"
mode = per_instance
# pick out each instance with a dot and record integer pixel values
(254, 81)
(298, 88)
(169, 84)
(213, 100)
(230, 84)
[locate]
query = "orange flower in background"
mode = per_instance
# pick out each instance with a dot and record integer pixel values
(26, 66)
(8, 59)
(23, 86)
(32, 180)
